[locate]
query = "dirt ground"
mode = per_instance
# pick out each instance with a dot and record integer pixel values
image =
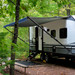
(63, 68)
(49, 69)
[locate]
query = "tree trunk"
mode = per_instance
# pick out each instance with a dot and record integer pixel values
(14, 39)
(68, 10)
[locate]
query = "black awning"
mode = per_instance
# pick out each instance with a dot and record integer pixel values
(26, 22)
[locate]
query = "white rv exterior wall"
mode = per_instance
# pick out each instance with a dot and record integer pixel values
(71, 31)
(55, 25)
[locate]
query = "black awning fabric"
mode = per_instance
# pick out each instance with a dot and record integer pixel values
(26, 22)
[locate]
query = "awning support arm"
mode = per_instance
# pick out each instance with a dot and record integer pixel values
(18, 37)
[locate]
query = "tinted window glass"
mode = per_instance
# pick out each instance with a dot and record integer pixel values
(63, 33)
(53, 33)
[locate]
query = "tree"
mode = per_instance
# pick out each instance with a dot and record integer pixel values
(60, 4)
(14, 39)
(66, 4)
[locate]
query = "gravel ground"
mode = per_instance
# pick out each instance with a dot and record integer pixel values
(50, 69)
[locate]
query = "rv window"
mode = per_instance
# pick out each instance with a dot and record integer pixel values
(53, 33)
(48, 30)
(63, 33)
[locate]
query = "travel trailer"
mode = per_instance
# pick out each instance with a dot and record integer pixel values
(50, 36)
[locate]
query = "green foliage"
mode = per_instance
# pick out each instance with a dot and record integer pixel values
(61, 2)
(43, 6)
(73, 1)
(22, 48)
(4, 52)
(3, 46)
(32, 2)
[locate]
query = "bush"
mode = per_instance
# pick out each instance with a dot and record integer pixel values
(3, 52)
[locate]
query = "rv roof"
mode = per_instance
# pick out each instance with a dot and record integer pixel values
(26, 22)
(73, 17)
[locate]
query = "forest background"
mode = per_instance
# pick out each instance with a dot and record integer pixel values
(32, 8)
